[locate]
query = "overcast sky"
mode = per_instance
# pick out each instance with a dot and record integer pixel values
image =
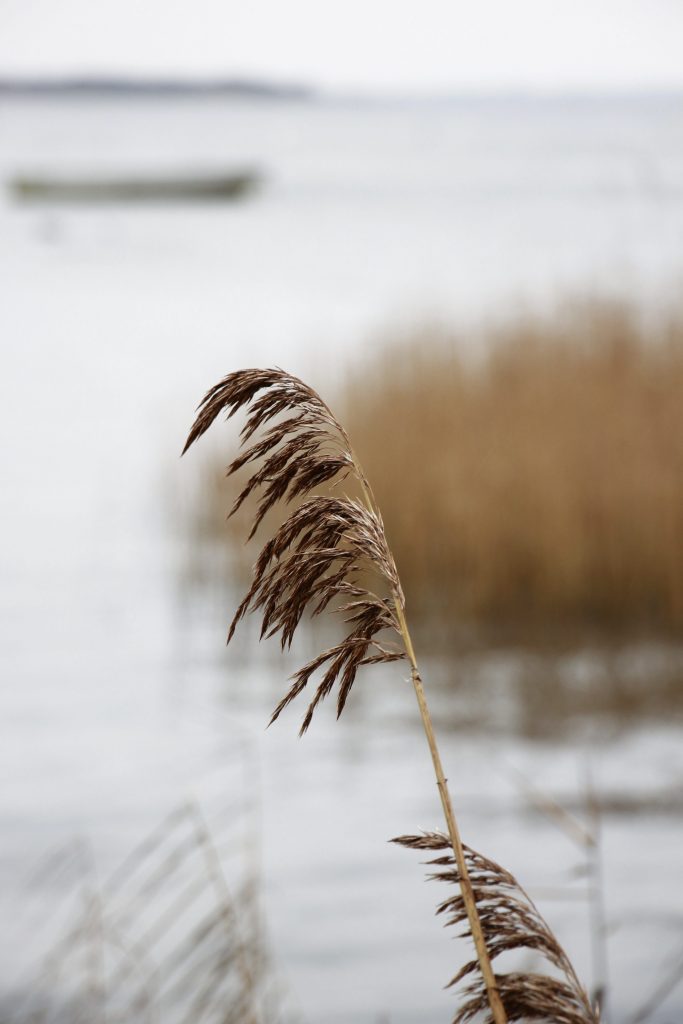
(377, 45)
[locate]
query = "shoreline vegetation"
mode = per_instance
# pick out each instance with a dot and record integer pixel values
(544, 497)
(547, 474)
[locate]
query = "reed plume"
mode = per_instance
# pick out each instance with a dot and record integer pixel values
(331, 553)
(510, 921)
(325, 546)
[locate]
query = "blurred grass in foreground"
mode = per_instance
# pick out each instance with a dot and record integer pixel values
(539, 486)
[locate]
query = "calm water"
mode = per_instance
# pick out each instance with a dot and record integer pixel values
(118, 698)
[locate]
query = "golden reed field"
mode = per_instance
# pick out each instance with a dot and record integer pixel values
(535, 488)
(541, 484)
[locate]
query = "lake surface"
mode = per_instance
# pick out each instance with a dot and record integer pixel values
(118, 699)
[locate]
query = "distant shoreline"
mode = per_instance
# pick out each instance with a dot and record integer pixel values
(169, 87)
(172, 87)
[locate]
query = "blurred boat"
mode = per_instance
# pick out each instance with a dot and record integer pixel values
(130, 189)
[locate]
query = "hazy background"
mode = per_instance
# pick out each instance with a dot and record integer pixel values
(425, 170)
(616, 45)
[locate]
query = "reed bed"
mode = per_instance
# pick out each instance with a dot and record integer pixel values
(539, 484)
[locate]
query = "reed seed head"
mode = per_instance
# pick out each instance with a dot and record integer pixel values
(510, 921)
(327, 549)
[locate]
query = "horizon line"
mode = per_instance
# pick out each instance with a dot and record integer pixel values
(272, 86)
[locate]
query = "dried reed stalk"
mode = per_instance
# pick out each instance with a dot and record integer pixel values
(331, 553)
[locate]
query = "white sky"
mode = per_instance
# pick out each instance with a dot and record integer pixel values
(379, 45)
